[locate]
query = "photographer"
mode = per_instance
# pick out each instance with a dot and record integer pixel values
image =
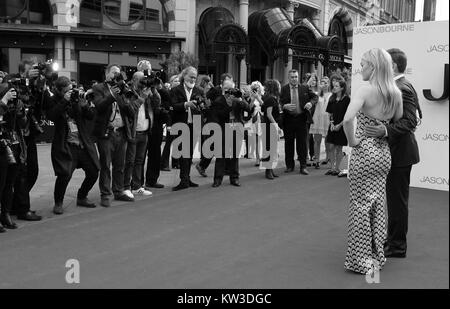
(160, 105)
(135, 155)
(184, 107)
(72, 146)
(211, 94)
(12, 150)
(30, 84)
(113, 129)
(228, 109)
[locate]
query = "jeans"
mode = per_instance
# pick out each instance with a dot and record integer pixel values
(154, 155)
(135, 159)
(80, 159)
(112, 150)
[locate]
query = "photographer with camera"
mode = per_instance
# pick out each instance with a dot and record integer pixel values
(72, 146)
(211, 95)
(135, 155)
(228, 110)
(160, 105)
(113, 130)
(12, 150)
(29, 84)
(184, 107)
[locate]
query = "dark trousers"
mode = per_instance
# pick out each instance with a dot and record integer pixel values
(8, 174)
(204, 162)
(26, 178)
(165, 157)
(397, 195)
(186, 162)
(230, 165)
(154, 155)
(134, 162)
(295, 134)
(112, 150)
(80, 159)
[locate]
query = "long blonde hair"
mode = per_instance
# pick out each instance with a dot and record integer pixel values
(383, 79)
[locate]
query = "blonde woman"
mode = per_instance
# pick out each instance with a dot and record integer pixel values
(321, 120)
(256, 94)
(378, 101)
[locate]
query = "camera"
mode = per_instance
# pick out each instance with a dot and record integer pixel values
(234, 92)
(150, 80)
(48, 69)
(76, 95)
(4, 145)
(119, 81)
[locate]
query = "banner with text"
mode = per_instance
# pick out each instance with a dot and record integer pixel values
(426, 46)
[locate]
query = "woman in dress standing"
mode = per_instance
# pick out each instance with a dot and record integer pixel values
(271, 111)
(379, 100)
(321, 120)
(337, 107)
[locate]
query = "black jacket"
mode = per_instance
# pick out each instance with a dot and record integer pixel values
(305, 95)
(58, 112)
(402, 141)
(103, 101)
(178, 98)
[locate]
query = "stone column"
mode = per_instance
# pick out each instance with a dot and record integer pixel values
(292, 5)
(243, 20)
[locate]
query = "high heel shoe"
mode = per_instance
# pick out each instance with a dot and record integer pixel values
(274, 175)
(269, 174)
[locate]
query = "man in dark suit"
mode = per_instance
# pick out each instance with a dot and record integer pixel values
(228, 110)
(72, 146)
(184, 104)
(113, 129)
(405, 153)
(296, 101)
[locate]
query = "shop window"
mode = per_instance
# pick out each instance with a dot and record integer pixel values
(143, 15)
(25, 12)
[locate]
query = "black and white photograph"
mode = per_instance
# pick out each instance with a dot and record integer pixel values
(224, 151)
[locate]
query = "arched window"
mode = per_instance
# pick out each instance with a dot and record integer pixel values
(25, 12)
(143, 15)
(337, 28)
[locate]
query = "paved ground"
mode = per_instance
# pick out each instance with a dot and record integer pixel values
(287, 233)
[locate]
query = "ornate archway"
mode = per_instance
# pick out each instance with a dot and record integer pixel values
(341, 25)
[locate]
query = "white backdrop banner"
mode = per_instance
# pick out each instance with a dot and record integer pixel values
(426, 46)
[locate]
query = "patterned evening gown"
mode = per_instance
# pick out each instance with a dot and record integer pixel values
(370, 163)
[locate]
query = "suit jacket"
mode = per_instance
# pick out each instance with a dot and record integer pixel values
(103, 101)
(178, 98)
(220, 110)
(305, 95)
(58, 112)
(402, 141)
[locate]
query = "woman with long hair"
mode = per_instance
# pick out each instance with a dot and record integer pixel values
(271, 112)
(321, 120)
(337, 107)
(257, 93)
(379, 100)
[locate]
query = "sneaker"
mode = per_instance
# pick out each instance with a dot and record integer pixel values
(142, 192)
(128, 193)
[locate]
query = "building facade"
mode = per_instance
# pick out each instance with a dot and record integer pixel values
(252, 39)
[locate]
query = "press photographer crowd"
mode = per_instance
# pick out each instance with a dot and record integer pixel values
(115, 128)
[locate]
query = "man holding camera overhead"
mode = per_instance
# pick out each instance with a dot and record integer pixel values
(113, 129)
(72, 146)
